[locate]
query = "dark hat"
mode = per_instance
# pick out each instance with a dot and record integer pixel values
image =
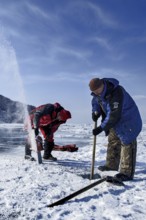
(95, 83)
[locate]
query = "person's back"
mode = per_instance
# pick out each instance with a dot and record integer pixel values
(130, 123)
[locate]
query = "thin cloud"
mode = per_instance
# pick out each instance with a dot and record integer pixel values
(138, 39)
(103, 42)
(103, 16)
(14, 19)
(139, 97)
(65, 50)
(55, 77)
(38, 12)
(13, 13)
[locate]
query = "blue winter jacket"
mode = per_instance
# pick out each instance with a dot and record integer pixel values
(118, 111)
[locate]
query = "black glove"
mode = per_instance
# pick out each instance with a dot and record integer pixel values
(95, 116)
(36, 131)
(97, 130)
(106, 133)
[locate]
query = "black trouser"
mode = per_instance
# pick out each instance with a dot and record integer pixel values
(48, 147)
(27, 149)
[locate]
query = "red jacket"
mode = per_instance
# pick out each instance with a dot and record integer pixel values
(47, 114)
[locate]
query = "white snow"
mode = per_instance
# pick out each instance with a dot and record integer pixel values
(26, 188)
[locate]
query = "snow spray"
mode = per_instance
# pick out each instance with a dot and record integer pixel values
(11, 80)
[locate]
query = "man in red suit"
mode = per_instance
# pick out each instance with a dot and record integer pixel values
(47, 118)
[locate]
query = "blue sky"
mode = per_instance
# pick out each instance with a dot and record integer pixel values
(52, 48)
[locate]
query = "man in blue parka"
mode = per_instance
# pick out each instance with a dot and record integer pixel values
(121, 121)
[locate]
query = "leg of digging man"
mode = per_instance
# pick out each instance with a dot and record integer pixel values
(113, 152)
(48, 147)
(128, 159)
(48, 143)
(28, 151)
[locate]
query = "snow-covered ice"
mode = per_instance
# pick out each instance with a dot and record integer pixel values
(26, 188)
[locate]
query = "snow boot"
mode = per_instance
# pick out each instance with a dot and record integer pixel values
(28, 152)
(105, 168)
(50, 157)
(27, 157)
(122, 177)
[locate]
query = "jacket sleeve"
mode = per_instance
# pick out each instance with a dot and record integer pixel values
(95, 106)
(114, 109)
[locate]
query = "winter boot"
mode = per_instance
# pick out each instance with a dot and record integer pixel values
(122, 177)
(48, 147)
(27, 157)
(105, 168)
(51, 158)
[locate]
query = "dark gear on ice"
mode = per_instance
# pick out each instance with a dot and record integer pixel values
(121, 121)
(47, 118)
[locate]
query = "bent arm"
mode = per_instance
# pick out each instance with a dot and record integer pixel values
(114, 109)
